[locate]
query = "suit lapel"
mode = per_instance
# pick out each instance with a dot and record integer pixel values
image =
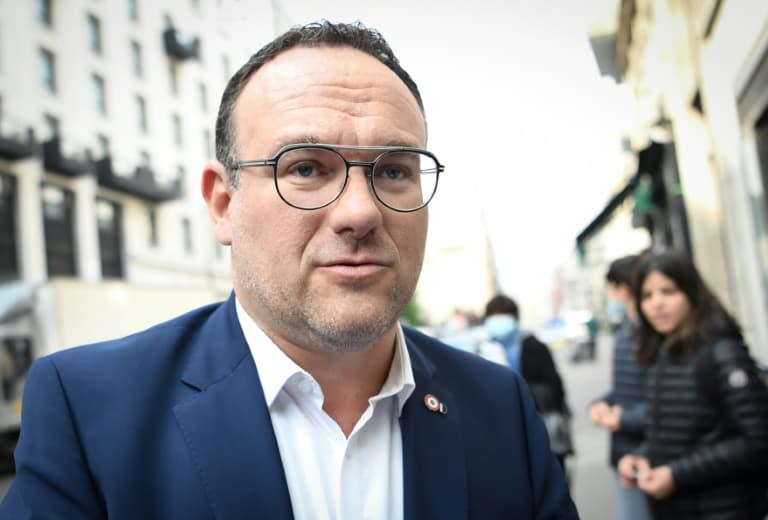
(229, 433)
(227, 427)
(434, 466)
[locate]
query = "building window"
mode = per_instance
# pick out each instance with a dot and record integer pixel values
(109, 222)
(207, 145)
(181, 175)
(136, 59)
(99, 94)
(58, 224)
(177, 134)
(9, 263)
(52, 127)
(152, 223)
(144, 160)
(133, 10)
(141, 113)
(45, 12)
(203, 90)
(103, 145)
(94, 34)
(186, 233)
(47, 70)
(225, 67)
(173, 78)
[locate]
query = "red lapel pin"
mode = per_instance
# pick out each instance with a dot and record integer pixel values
(433, 404)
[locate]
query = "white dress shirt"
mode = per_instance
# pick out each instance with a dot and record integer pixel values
(331, 476)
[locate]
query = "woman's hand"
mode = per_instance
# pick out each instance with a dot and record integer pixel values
(597, 411)
(605, 415)
(657, 482)
(612, 419)
(630, 466)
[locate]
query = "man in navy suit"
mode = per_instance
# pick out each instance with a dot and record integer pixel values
(301, 396)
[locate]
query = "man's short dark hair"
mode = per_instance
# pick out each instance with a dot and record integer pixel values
(622, 270)
(501, 304)
(323, 33)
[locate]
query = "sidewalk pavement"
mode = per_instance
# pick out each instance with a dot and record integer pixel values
(592, 484)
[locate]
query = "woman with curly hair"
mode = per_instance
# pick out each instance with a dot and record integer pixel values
(705, 453)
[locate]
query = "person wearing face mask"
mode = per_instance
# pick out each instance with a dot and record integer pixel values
(525, 354)
(622, 410)
(705, 454)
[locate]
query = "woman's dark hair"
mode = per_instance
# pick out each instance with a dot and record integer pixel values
(501, 304)
(707, 320)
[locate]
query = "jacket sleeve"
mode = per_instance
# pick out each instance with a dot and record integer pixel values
(607, 397)
(52, 479)
(633, 418)
(743, 401)
(545, 371)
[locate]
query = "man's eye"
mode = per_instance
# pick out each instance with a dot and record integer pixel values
(305, 170)
(393, 173)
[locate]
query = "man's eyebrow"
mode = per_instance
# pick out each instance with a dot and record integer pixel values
(400, 144)
(313, 139)
(302, 139)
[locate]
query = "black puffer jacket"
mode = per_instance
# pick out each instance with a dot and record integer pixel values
(708, 420)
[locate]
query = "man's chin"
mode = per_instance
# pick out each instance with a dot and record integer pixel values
(353, 332)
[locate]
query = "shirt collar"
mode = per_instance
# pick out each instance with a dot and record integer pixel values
(399, 383)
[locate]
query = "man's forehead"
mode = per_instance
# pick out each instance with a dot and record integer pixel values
(332, 64)
(337, 85)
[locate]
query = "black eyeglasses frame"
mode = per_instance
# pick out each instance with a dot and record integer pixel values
(369, 165)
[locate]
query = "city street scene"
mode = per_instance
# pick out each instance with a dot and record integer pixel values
(436, 259)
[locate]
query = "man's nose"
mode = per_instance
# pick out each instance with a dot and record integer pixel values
(356, 210)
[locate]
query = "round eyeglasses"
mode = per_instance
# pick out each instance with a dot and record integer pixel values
(312, 176)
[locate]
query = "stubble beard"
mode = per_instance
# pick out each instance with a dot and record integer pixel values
(296, 314)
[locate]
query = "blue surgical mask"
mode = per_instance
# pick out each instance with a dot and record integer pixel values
(500, 325)
(615, 310)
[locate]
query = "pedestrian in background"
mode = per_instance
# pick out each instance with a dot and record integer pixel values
(705, 455)
(622, 410)
(529, 357)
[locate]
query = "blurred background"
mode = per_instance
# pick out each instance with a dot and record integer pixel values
(572, 133)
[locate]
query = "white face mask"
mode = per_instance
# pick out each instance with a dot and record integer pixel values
(500, 325)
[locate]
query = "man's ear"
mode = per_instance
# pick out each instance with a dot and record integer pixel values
(217, 195)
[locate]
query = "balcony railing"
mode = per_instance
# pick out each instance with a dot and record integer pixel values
(141, 184)
(14, 147)
(175, 48)
(55, 161)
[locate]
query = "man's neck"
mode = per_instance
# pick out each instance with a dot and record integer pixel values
(348, 379)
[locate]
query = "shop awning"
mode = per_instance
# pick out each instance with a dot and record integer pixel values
(649, 161)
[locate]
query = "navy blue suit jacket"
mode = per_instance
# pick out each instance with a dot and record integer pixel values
(171, 423)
